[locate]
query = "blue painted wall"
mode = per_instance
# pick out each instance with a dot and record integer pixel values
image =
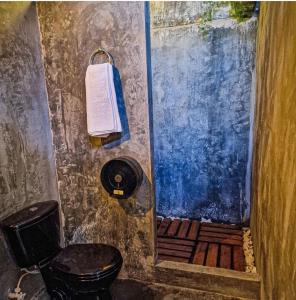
(202, 80)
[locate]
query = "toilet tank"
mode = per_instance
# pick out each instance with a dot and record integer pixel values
(33, 233)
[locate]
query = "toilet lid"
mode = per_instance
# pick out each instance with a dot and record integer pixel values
(29, 215)
(87, 259)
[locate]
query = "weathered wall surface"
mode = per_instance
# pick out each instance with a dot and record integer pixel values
(202, 78)
(27, 169)
(70, 33)
(273, 218)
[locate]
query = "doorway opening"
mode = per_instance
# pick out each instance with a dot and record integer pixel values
(202, 61)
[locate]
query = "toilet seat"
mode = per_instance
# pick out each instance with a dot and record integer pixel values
(85, 269)
(87, 261)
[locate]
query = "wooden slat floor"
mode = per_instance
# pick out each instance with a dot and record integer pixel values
(208, 244)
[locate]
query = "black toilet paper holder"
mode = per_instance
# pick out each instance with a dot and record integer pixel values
(121, 177)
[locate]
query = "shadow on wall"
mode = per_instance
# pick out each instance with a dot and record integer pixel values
(115, 139)
(140, 203)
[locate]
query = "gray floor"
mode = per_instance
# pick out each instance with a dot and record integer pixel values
(128, 290)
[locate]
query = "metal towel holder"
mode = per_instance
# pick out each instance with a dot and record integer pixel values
(101, 51)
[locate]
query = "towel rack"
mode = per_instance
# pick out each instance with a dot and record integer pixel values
(101, 51)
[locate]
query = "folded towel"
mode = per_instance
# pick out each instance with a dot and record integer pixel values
(101, 103)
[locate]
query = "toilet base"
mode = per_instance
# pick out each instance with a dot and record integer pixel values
(59, 290)
(100, 295)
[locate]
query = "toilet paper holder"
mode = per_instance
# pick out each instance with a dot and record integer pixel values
(121, 177)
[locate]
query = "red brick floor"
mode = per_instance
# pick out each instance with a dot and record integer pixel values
(194, 242)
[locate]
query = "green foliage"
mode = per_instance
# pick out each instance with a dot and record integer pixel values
(242, 10)
(239, 10)
(208, 15)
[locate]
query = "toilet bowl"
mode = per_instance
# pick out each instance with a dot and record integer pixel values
(76, 272)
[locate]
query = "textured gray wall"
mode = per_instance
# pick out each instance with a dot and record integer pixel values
(70, 33)
(202, 79)
(27, 168)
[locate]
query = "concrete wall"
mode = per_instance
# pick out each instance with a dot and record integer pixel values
(70, 33)
(202, 80)
(274, 180)
(27, 169)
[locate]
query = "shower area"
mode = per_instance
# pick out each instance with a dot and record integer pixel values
(203, 56)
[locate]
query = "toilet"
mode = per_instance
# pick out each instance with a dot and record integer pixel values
(76, 272)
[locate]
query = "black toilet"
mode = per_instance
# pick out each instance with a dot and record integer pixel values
(80, 271)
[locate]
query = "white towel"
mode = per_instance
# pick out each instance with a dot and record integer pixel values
(101, 103)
